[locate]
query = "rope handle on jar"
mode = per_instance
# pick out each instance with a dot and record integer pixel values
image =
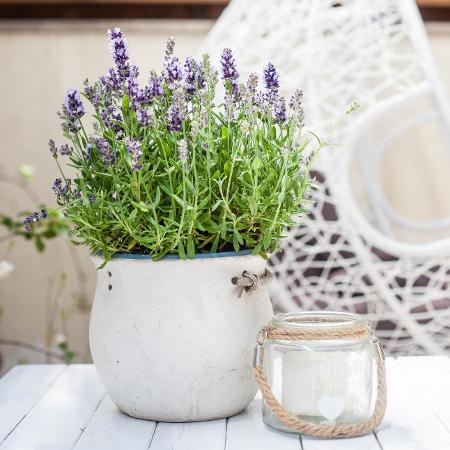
(303, 426)
(250, 281)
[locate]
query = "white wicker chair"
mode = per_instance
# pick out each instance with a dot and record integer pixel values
(347, 256)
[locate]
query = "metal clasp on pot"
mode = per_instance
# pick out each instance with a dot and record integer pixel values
(259, 350)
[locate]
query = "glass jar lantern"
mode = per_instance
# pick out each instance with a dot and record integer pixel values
(318, 373)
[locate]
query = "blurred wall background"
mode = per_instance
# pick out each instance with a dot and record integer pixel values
(39, 61)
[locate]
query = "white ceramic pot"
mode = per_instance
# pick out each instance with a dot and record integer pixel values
(172, 341)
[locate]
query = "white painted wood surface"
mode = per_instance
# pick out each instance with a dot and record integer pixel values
(64, 407)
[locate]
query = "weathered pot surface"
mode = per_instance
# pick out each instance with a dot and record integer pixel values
(171, 340)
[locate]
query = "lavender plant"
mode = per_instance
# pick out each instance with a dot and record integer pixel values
(169, 169)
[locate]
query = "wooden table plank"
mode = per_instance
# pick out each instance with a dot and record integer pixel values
(111, 429)
(409, 424)
(20, 389)
(190, 436)
(431, 376)
(246, 431)
(58, 419)
(47, 407)
(368, 442)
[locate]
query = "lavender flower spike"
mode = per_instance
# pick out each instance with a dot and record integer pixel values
(177, 111)
(183, 152)
(119, 51)
(134, 149)
(142, 117)
(189, 72)
(145, 117)
(155, 86)
(271, 77)
(87, 151)
(65, 150)
(252, 83)
(279, 110)
(173, 70)
(296, 105)
(174, 119)
(73, 106)
(170, 45)
(229, 71)
(57, 187)
(171, 64)
(106, 151)
(53, 148)
(33, 219)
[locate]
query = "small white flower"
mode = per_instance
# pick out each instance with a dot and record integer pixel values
(60, 339)
(5, 268)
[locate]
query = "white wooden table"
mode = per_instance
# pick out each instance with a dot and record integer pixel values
(63, 407)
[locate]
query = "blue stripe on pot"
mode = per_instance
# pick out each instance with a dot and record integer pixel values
(197, 255)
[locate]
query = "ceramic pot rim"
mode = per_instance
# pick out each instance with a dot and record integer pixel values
(141, 256)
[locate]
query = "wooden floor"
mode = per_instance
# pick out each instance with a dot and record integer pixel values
(63, 407)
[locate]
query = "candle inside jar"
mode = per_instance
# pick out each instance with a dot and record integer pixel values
(326, 384)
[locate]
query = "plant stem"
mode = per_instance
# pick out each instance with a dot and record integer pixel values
(34, 348)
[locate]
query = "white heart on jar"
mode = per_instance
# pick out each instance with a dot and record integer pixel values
(330, 407)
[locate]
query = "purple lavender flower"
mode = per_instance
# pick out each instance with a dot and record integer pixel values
(179, 98)
(112, 118)
(87, 151)
(61, 190)
(173, 70)
(93, 92)
(33, 218)
(252, 83)
(112, 82)
(135, 93)
(178, 110)
(53, 148)
(57, 186)
(170, 45)
(106, 151)
(119, 52)
(271, 77)
(65, 150)
(296, 100)
(296, 105)
(279, 110)
(145, 96)
(155, 86)
(189, 72)
(134, 149)
(262, 103)
(229, 71)
(145, 118)
(26, 224)
(174, 119)
(72, 111)
(201, 76)
(247, 92)
(89, 90)
(73, 106)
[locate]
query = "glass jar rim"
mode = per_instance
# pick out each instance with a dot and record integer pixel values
(317, 319)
